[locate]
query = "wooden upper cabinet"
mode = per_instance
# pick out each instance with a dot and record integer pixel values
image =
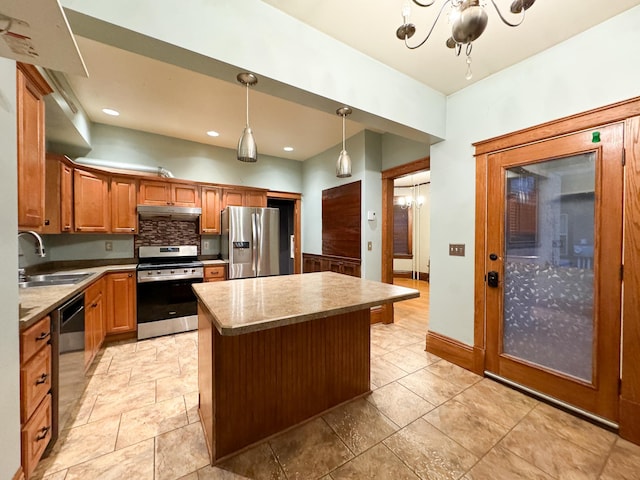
(243, 197)
(30, 91)
(91, 201)
(121, 302)
(58, 195)
(210, 219)
(166, 193)
(124, 218)
(184, 195)
(255, 198)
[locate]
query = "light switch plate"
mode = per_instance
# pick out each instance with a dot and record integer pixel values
(456, 249)
(369, 246)
(108, 246)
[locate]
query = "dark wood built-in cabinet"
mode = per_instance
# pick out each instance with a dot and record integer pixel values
(341, 220)
(330, 263)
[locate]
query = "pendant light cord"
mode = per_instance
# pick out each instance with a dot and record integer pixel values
(247, 105)
(343, 131)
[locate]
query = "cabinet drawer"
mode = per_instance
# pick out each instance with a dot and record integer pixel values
(36, 434)
(35, 381)
(213, 273)
(34, 338)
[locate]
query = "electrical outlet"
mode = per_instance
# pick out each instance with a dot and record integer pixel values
(456, 249)
(108, 246)
(369, 246)
(206, 244)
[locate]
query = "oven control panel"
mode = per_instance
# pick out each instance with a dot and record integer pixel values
(168, 274)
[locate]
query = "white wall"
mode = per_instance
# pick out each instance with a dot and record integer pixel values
(193, 161)
(255, 36)
(595, 68)
(318, 174)
(9, 349)
(399, 150)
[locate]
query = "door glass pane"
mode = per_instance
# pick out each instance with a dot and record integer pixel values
(549, 281)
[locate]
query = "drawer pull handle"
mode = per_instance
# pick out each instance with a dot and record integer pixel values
(43, 433)
(42, 379)
(42, 336)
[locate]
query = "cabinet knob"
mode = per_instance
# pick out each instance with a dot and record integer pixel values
(133, 229)
(41, 379)
(94, 305)
(130, 275)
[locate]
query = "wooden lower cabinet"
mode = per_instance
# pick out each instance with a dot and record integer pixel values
(330, 263)
(35, 393)
(94, 320)
(215, 273)
(36, 435)
(121, 302)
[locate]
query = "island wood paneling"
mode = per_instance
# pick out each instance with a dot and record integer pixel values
(341, 220)
(260, 383)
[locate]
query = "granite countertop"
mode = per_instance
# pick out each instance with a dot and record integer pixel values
(36, 302)
(254, 304)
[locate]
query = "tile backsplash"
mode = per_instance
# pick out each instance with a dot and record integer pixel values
(154, 232)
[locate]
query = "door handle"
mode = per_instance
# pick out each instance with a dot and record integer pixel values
(493, 279)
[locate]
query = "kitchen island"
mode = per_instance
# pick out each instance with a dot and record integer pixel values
(275, 351)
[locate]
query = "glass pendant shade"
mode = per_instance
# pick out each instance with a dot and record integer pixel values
(343, 166)
(247, 148)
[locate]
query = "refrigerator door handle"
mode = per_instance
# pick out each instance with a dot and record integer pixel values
(255, 248)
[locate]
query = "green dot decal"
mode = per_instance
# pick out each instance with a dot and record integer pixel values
(595, 137)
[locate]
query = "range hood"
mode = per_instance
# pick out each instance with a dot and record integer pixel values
(169, 212)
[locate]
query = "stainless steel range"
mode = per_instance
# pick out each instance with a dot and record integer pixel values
(166, 302)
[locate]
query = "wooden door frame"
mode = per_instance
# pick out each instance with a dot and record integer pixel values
(297, 225)
(629, 112)
(388, 176)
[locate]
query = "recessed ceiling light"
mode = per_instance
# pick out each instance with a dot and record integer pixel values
(213, 133)
(288, 149)
(111, 111)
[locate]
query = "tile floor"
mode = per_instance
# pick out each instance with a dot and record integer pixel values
(425, 418)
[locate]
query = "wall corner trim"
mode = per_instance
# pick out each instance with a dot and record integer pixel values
(454, 351)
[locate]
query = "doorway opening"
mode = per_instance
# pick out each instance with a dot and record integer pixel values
(398, 240)
(287, 233)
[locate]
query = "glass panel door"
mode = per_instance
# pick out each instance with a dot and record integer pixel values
(553, 259)
(548, 275)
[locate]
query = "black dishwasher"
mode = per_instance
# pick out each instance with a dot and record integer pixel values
(68, 321)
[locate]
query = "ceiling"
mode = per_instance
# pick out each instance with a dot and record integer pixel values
(161, 98)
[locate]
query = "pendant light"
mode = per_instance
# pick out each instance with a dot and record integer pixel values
(247, 148)
(343, 166)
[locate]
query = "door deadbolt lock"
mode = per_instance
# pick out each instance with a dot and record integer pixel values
(493, 256)
(492, 279)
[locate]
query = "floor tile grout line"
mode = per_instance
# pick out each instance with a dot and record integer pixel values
(273, 452)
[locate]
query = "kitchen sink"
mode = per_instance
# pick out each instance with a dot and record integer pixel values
(53, 279)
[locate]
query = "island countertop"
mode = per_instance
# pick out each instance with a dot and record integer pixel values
(255, 304)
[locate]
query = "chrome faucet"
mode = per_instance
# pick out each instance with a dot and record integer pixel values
(40, 246)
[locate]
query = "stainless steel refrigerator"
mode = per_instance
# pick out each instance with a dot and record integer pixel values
(250, 241)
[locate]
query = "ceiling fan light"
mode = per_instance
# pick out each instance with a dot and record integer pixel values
(343, 166)
(247, 148)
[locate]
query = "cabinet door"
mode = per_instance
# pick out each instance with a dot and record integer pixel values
(210, 220)
(232, 198)
(91, 201)
(254, 198)
(350, 269)
(183, 195)
(121, 302)
(66, 197)
(123, 205)
(31, 158)
(154, 193)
